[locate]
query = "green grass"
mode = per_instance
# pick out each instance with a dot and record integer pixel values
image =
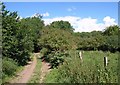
(51, 77)
(36, 75)
(94, 61)
(9, 78)
(91, 70)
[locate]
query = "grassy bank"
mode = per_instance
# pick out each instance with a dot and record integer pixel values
(9, 69)
(90, 70)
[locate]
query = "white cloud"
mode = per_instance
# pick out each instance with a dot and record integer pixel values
(45, 14)
(84, 24)
(71, 9)
(38, 14)
(35, 15)
(21, 17)
(109, 21)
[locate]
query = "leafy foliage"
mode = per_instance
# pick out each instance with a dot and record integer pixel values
(10, 27)
(98, 40)
(61, 25)
(56, 41)
(33, 26)
(111, 30)
(9, 67)
(20, 36)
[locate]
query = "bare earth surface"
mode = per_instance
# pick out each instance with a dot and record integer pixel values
(25, 75)
(44, 71)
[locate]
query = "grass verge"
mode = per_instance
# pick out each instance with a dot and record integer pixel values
(51, 77)
(36, 75)
(91, 70)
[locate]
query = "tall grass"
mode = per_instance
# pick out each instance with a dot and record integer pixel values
(52, 76)
(90, 70)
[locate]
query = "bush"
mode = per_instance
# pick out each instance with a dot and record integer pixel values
(9, 67)
(56, 58)
(44, 51)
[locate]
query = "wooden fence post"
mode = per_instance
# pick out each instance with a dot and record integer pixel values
(80, 55)
(105, 61)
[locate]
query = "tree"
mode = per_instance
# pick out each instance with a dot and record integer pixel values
(10, 27)
(20, 37)
(112, 30)
(56, 41)
(61, 25)
(34, 25)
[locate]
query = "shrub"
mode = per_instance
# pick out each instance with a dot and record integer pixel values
(56, 58)
(9, 67)
(44, 51)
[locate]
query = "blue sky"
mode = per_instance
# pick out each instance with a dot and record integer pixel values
(81, 10)
(60, 0)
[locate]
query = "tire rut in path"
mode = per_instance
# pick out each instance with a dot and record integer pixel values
(25, 75)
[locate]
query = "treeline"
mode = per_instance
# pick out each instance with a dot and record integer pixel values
(106, 40)
(21, 37)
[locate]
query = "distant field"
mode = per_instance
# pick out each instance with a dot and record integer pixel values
(91, 70)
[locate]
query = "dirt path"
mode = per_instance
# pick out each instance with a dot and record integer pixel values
(25, 75)
(44, 71)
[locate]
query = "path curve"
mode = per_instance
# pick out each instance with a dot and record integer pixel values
(25, 75)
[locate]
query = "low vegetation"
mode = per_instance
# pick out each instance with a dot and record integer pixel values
(90, 70)
(35, 78)
(9, 69)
